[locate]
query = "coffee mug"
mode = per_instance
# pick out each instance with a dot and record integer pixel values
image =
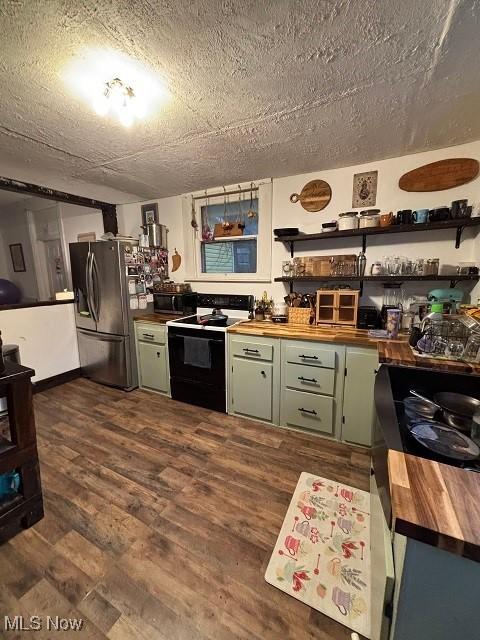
(459, 208)
(420, 216)
(9, 483)
(386, 219)
(439, 214)
(404, 216)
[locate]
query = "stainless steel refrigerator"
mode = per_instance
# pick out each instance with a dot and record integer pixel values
(104, 320)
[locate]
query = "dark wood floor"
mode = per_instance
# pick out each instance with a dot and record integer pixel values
(161, 518)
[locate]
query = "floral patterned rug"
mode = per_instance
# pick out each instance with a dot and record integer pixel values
(322, 555)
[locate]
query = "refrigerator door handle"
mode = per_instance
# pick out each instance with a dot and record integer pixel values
(87, 285)
(96, 297)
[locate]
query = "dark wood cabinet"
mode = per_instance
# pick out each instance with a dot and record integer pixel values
(18, 453)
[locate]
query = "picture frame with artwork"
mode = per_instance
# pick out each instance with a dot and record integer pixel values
(18, 260)
(365, 189)
(149, 213)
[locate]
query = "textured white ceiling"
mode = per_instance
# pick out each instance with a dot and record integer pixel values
(258, 89)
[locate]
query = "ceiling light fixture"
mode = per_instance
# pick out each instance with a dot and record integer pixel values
(116, 85)
(118, 99)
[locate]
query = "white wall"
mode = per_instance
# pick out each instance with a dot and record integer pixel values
(78, 220)
(439, 244)
(14, 229)
(46, 336)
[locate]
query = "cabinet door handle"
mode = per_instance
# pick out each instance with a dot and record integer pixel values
(309, 357)
(311, 411)
(158, 354)
(306, 379)
(148, 335)
(251, 350)
(263, 373)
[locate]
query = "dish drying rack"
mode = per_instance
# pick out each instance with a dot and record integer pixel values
(447, 338)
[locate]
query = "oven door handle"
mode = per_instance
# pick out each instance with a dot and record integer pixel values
(177, 336)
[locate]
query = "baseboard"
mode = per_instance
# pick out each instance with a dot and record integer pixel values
(55, 381)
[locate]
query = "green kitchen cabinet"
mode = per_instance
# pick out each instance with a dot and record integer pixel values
(254, 378)
(152, 357)
(361, 365)
(312, 386)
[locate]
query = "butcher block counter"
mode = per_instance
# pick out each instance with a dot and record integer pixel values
(339, 335)
(435, 503)
(157, 318)
(400, 354)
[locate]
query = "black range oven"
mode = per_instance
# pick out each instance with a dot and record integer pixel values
(203, 386)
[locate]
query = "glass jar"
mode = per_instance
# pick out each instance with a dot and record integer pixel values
(419, 267)
(431, 267)
(376, 268)
(472, 348)
(347, 221)
(369, 218)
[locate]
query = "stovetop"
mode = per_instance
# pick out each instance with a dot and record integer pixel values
(195, 322)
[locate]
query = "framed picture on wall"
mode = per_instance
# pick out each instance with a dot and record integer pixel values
(16, 253)
(149, 213)
(365, 189)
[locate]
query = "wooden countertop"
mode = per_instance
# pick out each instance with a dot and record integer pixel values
(305, 332)
(157, 318)
(435, 503)
(400, 354)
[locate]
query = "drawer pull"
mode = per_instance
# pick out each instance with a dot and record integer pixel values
(312, 411)
(309, 357)
(251, 350)
(148, 335)
(307, 379)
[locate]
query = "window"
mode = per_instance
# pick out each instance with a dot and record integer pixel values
(236, 254)
(232, 238)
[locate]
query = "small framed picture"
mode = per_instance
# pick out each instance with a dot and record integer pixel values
(149, 213)
(16, 253)
(364, 189)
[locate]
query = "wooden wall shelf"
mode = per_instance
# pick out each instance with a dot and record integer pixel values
(459, 224)
(392, 279)
(381, 279)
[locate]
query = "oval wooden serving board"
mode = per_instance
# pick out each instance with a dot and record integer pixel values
(314, 196)
(441, 175)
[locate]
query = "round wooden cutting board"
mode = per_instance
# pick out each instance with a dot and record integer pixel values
(314, 196)
(437, 176)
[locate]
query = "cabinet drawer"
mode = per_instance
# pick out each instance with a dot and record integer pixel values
(316, 379)
(254, 350)
(151, 333)
(314, 356)
(308, 411)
